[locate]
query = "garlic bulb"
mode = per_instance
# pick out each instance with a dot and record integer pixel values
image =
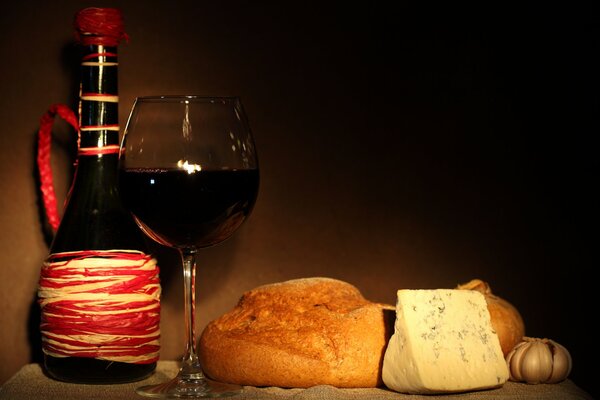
(539, 361)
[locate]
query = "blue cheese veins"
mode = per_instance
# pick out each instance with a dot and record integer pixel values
(443, 342)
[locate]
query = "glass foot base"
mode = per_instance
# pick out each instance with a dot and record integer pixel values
(189, 388)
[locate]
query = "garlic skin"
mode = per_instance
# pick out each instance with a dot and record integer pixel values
(539, 361)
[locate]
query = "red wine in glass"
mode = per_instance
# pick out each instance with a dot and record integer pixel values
(185, 210)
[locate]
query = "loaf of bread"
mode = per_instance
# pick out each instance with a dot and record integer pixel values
(299, 333)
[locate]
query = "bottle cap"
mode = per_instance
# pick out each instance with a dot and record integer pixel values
(100, 26)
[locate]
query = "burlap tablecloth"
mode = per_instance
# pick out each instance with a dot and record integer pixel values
(31, 383)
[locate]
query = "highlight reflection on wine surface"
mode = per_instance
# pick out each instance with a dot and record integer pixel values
(189, 175)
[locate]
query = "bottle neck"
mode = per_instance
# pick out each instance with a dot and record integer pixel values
(98, 118)
(99, 101)
(101, 171)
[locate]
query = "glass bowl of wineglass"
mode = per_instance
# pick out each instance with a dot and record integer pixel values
(188, 172)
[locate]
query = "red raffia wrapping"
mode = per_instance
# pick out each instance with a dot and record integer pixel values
(43, 158)
(100, 26)
(101, 304)
(44, 151)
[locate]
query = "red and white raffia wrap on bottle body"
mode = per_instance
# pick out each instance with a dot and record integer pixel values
(101, 304)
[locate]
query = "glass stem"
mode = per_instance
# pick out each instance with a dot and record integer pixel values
(190, 368)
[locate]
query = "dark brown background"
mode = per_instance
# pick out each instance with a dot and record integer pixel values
(397, 150)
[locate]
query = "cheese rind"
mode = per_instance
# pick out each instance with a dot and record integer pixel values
(443, 341)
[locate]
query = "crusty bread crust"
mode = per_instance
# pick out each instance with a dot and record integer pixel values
(299, 333)
(506, 321)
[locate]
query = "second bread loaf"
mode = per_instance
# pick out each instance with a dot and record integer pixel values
(299, 333)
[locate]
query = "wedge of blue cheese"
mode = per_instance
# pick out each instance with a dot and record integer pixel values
(443, 342)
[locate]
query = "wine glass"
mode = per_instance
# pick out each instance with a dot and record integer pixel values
(188, 172)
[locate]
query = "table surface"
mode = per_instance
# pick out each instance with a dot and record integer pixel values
(31, 383)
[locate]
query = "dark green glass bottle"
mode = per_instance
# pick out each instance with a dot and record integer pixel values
(91, 331)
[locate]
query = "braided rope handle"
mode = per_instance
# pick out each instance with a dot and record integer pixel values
(43, 158)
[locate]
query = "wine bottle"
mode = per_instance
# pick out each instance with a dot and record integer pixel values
(99, 291)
